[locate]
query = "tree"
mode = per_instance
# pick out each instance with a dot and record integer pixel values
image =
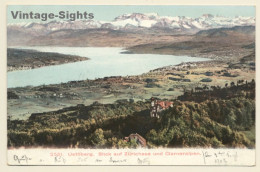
(152, 137)
(97, 138)
(122, 144)
(215, 143)
(230, 119)
(133, 143)
(112, 142)
(226, 135)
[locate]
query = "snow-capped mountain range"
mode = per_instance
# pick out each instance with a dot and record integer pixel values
(138, 20)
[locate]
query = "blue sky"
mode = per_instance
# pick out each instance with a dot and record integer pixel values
(108, 13)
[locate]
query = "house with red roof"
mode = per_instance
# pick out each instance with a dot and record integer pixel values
(158, 106)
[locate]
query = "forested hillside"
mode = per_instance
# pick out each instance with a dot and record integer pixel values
(210, 121)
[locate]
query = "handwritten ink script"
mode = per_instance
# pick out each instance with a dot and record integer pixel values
(22, 159)
(59, 159)
(144, 161)
(117, 160)
(220, 157)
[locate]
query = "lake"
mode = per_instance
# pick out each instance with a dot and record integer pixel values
(104, 61)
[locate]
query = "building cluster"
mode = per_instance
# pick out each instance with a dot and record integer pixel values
(158, 106)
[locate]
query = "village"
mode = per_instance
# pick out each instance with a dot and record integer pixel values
(165, 83)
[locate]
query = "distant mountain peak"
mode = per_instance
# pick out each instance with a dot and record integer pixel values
(138, 20)
(208, 15)
(138, 16)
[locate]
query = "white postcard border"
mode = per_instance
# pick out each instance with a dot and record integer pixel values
(3, 158)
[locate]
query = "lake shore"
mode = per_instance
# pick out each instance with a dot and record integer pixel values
(22, 59)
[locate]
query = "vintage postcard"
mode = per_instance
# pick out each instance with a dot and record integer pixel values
(131, 85)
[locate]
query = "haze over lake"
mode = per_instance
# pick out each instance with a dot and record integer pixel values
(103, 62)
